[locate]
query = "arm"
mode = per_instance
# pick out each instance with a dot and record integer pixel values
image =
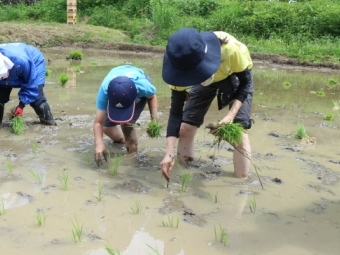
(100, 149)
(244, 88)
(153, 107)
(174, 123)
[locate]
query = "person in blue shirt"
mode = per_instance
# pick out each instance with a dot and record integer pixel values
(121, 99)
(23, 66)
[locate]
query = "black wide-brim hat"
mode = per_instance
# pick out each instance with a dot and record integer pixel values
(191, 57)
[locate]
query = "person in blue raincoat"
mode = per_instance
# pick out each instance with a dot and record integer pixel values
(23, 66)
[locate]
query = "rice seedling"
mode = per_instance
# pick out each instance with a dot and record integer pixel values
(110, 251)
(17, 124)
(185, 179)
(154, 249)
(154, 129)
(286, 85)
(48, 72)
(100, 189)
(35, 147)
(216, 197)
(76, 55)
(328, 116)
(2, 208)
(252, 205)
(171, 222)
(320, 93)
(88, 159)
(114, 164)
(332, 83)
(136, 207)
(233, 134)
(77, 231)
(301, 132)
(37, 176)
(336, 105)
(221, 235)
(9, 166)
(63, 78)
(41, 219)
(64, 179)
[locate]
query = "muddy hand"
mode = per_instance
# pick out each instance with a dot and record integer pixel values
(98, 157)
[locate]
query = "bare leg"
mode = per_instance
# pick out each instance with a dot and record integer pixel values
(115, 133)
(185, 150)
(241, 158)
(131, 138)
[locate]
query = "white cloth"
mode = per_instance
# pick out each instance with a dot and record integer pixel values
(5, 65)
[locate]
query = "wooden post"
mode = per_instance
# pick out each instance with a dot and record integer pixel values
(72, 12)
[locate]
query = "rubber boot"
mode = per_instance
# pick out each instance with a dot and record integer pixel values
(2, 110)
(44, 112)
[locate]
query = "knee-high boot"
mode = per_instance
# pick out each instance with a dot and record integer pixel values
(44, 112)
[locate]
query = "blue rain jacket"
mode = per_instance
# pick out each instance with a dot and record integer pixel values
(28, 72)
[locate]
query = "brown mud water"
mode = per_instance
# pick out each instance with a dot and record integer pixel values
(295, 213)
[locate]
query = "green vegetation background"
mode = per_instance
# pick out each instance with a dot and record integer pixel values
(308, 30)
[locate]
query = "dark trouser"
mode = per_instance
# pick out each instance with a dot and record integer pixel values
(200, 98)
(40, 105)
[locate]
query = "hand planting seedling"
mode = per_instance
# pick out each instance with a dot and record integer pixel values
(16, 123)
(154, 129)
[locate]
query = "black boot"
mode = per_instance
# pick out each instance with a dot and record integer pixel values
(44, 112)
(2, 110)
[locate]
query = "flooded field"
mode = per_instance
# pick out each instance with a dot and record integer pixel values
(55, 200)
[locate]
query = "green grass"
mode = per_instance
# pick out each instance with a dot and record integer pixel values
(154, 129)
(171, 222)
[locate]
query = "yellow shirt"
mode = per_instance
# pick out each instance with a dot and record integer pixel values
(235, 57)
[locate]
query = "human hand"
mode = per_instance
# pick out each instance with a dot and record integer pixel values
(100, 154)
(227, 119)
(167, 164)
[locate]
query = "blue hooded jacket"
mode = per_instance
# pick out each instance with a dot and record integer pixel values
(28, 72)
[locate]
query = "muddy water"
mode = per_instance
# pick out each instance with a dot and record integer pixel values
(297, 212)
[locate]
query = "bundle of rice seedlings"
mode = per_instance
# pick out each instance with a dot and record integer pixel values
(154, 129)
(17, 125)
(231, 132)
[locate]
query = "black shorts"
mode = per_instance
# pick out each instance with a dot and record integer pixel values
(140, 105)
(201, 97)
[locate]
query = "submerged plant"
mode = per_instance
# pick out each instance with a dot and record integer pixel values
(301, 132)
(252, 205)
(17, 124)
(221, 235)
(137, 207)
(63, 78)
(114, 164)
(154, 129)
(77, 231)
(172, 222)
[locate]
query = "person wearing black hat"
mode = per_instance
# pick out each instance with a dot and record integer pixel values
(121, 99)
(210, 64)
